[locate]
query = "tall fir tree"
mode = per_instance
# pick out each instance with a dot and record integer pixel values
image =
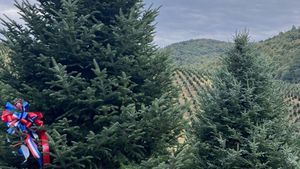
(91, 67)
(243, 118)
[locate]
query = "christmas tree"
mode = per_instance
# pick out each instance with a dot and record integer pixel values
(243, 118)
(91, 67)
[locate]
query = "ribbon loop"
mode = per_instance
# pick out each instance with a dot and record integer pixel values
(17, 120)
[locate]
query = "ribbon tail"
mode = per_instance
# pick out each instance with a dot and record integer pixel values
(45, 145)
(23, 150)
(32, 147)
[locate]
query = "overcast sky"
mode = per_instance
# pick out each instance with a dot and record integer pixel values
(181, 20)
(219, 19)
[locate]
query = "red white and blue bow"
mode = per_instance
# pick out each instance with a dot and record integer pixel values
(19, 120)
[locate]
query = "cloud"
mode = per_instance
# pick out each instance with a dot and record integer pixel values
(11, 13)
(8, 9)
(220, 19)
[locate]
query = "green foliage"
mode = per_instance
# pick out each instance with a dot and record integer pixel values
(182, 158)
(7, 93)
(243, 122)
(196, 51)
(284, 50)
(281, 50)
(91, 67)
(4, 51)
(66, 155)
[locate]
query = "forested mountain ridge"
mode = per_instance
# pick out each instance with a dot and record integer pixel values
(196, 50)
(283, 50)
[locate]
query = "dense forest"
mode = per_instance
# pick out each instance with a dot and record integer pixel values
(111, 99)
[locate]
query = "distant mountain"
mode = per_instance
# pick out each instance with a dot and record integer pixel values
(196, 51)
(283, 50)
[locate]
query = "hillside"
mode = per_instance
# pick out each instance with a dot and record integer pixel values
(283, 50)
(196, 51)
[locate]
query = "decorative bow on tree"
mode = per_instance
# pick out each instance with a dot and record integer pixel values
(25, 124)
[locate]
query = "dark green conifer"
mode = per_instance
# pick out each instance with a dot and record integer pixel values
(243, 118)
(91, 67)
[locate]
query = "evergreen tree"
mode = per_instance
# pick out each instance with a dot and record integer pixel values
(91, 67)
(243, 118)
(183, 157)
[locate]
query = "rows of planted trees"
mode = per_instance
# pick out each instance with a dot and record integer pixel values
(292, 97)
(192, 81)
(109, 100)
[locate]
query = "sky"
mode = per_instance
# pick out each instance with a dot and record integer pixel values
(181, 20)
